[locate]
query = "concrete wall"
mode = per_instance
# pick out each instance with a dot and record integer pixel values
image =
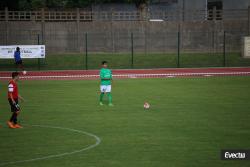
(192, 4)
(236, 4)
(181, 4)
(106, 36)
(201, 4)
(114, 7)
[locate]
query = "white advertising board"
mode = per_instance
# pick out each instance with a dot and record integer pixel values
(27, 51)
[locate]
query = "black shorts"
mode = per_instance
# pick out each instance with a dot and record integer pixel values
(19, 62)
(14, 108)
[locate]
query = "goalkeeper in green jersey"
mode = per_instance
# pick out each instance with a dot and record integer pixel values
(106, 80)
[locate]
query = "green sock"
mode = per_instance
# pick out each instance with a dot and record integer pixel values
(101, 96)
(110, 97)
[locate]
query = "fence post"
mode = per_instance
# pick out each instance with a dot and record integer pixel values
(248, 20)
(214, 13)
(178, 49)
(38, 39)
(132, 50)
(38, 60)
(224, 49)
(86, 51)
(6, 14)
(77, 29)
(6, 25)
(43, 25)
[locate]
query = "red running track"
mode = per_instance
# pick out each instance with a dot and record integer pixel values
(131, 73)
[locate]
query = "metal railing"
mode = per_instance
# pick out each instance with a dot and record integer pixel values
(23, 16)
(60, 16)
(79, 15)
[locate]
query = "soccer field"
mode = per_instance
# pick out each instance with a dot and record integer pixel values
(189, 122)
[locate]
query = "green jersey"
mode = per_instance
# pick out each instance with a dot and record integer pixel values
(104, 75)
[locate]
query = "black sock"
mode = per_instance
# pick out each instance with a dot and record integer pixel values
(14, 118)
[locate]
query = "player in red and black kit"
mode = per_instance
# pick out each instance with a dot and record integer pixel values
(13, 97)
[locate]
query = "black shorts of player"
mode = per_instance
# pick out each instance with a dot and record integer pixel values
(14, 107)
(19, 62)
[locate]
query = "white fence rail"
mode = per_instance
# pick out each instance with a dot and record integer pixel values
(79, 15)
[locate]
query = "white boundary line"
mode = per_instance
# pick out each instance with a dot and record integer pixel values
(98, 141)
(133, 75)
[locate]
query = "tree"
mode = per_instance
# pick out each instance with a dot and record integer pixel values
(13, 4)
(37, 4)
(56, 4)
(24, 5)
(61, 4)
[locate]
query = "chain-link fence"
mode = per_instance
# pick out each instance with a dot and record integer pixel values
(131, 50)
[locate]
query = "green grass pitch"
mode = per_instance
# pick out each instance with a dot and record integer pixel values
(124, 61)
(189, 122)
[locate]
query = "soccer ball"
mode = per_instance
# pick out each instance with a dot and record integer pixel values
(146, 105)
(24, 72)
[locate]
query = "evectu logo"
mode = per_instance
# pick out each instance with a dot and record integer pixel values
(235, 154)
